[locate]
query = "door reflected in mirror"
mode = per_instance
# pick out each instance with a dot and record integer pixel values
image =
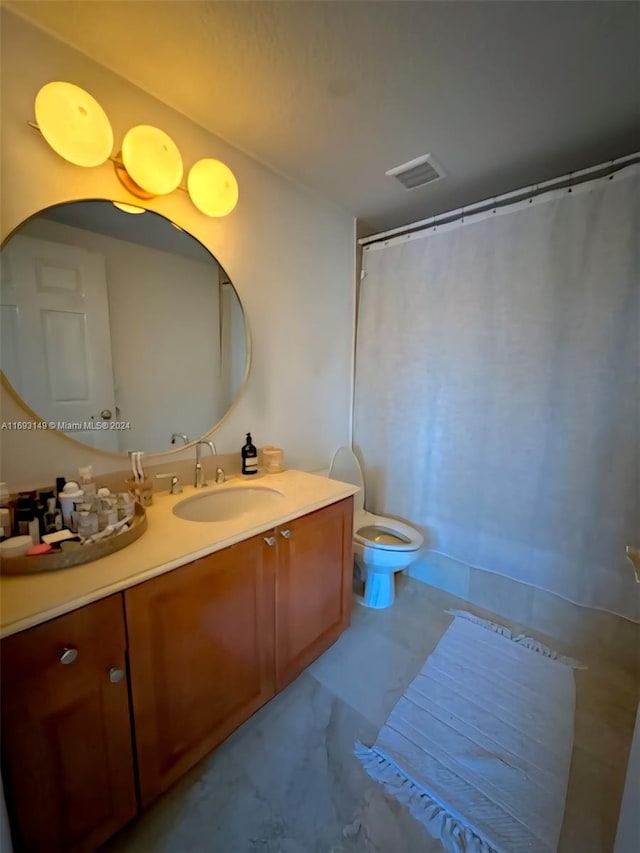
(120, 329)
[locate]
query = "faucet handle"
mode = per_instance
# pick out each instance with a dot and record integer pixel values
(174, 488)
(221, 477)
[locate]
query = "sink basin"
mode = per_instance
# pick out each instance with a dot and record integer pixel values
(227, 504)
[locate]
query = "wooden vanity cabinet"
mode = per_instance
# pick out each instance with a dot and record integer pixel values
(207, 643)
(201, 650)
(313, 586)
(66, 734)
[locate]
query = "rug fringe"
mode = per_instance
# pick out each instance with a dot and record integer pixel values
(441, 824)
(521, 639)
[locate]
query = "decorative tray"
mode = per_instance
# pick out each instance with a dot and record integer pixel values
(55, 559)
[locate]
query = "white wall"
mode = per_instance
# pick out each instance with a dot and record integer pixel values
(289, 253)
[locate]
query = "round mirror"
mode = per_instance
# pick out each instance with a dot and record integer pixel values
(119, 329)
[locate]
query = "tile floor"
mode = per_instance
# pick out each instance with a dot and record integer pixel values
(287, 780)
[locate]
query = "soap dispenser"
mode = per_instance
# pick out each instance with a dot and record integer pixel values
(249, 457)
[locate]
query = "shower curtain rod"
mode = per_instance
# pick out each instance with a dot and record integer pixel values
(569, 180)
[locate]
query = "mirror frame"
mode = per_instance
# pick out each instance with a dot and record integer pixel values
(110, 454)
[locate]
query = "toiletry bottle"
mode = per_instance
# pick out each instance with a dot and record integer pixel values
(86, 519)
(86, 482)
(52, 517)
(71, 522)
(126, 506)
(43, 505)
(41, 508)
(111, 511)
(6, 511)
(67, 499)
(25, 512)
(5, 523)
(23, 520)
(34, 530)
(81, 508)
(249, 457)
(60, 483)
(84, 526)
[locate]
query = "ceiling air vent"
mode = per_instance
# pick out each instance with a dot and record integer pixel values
(418, 172)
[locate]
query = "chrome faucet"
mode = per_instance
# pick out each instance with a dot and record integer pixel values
(199, 481)
(181, 435)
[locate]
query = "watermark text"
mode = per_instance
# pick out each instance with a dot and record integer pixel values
(65, 426)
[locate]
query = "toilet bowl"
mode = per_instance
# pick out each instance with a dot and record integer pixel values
(381, 545)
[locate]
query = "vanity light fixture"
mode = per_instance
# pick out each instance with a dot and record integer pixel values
(149, 164)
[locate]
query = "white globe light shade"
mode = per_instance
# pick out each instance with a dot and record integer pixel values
(152, 159)
(74, 124)
(212, 187)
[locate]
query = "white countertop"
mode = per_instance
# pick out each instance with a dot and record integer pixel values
(168, 542)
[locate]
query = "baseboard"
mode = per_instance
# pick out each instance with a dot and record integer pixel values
(582, 630)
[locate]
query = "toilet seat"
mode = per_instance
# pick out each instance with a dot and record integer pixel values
(346, 468)
(367, 527)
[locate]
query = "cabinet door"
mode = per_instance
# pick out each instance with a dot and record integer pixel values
(313, 586)
(66, 736)
(201, 657)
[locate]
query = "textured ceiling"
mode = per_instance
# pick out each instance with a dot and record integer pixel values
(333, 94)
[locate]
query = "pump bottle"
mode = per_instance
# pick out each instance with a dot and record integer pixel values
(249, 457)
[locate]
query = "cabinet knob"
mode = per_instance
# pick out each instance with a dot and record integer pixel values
(270, 540)
(285, 533)
(68, 656)
(116, 675)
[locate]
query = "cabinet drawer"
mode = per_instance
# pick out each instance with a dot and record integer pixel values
(95, 632)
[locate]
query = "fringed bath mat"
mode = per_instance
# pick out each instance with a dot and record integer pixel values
(479, 745)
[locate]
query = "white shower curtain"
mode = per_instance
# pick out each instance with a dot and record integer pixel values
(497, 401)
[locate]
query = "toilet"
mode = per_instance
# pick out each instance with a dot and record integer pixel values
(381, 545)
